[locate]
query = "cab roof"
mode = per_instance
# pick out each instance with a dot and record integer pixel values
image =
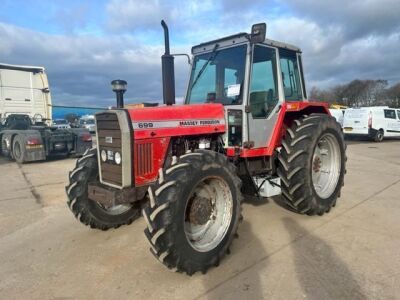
(239, 38)
(21, 68)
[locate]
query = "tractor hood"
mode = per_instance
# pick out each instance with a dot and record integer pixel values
(177, 120)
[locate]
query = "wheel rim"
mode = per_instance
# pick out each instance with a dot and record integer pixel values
(380, 135)
(208, 214)
(17, 150)
(326, 165)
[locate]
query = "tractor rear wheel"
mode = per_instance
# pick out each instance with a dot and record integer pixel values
(194, 211)
(88, 211)
(312, 164)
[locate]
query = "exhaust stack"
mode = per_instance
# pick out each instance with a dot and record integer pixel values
(168, 73)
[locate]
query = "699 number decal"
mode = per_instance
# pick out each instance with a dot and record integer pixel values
(145, 125)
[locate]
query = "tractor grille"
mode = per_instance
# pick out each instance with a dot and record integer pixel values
(109, 139)
(143, 159)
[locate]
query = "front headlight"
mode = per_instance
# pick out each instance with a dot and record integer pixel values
(117, 158)
(103, 155)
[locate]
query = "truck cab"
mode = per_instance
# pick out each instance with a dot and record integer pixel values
(26, 113)
(24, 90)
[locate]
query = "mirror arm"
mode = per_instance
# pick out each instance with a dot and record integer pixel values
(184, 54)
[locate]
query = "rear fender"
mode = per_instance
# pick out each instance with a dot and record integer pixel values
(293, 111)
(289, 112)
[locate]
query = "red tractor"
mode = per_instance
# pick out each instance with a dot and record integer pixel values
(246, 131)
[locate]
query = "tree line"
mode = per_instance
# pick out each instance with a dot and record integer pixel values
(358, 93)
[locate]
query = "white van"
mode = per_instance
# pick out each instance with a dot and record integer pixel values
(338, 114)
(375, 122)
(24, 90)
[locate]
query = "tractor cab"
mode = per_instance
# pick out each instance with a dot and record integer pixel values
(250, 78)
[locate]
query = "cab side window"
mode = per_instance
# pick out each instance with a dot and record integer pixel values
(263, 84)
(398, 114)
(290, 75)
(390, 114)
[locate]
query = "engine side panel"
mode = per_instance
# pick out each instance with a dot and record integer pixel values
(177, 120)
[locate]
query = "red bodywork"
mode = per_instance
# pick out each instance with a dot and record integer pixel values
(153, 128)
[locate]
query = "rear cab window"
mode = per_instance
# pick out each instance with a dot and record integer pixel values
(290, 75)
(390, 113)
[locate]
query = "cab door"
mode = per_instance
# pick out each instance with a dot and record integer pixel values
(264, 95)
(391, 121)
(275, 77)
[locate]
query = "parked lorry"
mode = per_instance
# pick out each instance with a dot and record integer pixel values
(375, 122)
(245, 131)
(26, 131)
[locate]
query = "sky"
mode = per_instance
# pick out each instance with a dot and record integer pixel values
(84, 45)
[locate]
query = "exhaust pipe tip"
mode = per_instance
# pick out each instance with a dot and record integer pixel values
(166, 37)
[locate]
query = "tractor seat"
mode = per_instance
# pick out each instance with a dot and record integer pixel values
(261, 103)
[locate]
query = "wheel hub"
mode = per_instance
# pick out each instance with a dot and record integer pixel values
(317, 164)
(208, 214)
(200, 210)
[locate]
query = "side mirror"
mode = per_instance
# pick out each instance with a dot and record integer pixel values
(258, 32)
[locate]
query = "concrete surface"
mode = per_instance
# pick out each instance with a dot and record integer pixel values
(350, 253)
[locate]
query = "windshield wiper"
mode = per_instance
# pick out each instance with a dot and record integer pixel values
(213, 55)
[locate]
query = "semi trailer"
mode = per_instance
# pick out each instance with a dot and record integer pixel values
(26, 131)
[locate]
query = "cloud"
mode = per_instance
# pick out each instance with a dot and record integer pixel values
(357, 18)
(71, 18)
(340, 41)
(135, 14)
(80, 68)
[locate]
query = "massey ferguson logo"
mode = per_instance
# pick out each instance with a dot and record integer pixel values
(198, 122)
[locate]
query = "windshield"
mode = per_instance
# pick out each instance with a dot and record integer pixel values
(217, 77)
(87, 121)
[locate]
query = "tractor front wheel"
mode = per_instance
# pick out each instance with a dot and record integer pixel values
(312, 164)
(88, 211)
(194, 211)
